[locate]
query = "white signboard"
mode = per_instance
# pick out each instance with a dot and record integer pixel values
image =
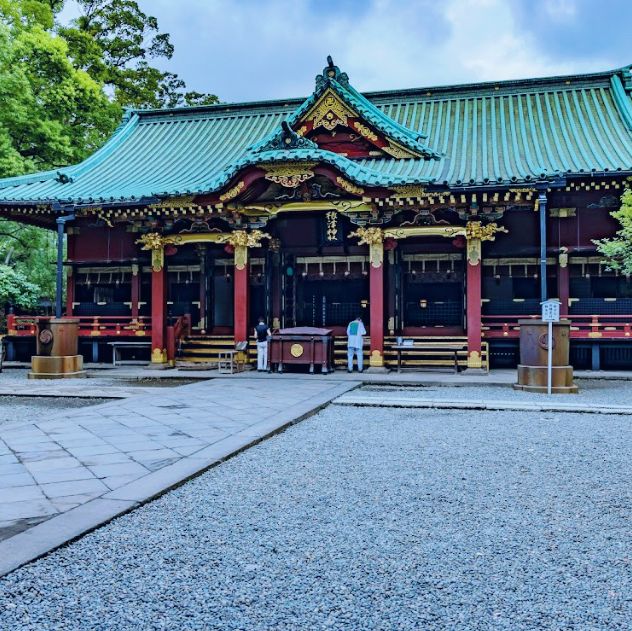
(551, 310)
(550, 314)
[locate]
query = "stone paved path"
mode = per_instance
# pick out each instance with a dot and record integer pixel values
(93, 463)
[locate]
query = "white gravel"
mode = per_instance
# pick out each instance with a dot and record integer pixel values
(366, 519)
(591, 391)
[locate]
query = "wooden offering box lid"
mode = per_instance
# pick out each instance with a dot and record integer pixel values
(305, 330)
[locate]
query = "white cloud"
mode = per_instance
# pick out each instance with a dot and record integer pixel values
(244, 50)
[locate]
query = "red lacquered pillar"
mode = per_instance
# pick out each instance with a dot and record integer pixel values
(563, 282)
(376, 300)
(158, 307)
(473, 296)
(135, 291)
(241, 295)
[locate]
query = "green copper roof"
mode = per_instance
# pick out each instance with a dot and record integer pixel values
(470, 135)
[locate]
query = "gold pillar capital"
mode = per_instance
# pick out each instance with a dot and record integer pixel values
(241, 241)
(155, 242)
(476, 232)
(374, 238)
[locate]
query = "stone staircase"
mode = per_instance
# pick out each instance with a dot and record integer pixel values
(205, 349)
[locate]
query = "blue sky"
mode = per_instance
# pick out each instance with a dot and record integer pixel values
(245, 50)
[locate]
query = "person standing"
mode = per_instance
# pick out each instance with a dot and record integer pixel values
(262, 333)
(355, 342)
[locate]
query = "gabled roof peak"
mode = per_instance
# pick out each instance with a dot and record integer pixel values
(331, 71)
(336, 103)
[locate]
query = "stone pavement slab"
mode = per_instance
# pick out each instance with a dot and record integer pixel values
(73, 471)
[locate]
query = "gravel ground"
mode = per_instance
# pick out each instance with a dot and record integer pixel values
(31, 408)
(100, 380)
(597, 391)
(366, 519)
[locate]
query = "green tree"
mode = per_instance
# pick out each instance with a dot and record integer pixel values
(17, 289)
(51, 113)
(117, 43)
(618, 249)
(62, 91)
(30, 251)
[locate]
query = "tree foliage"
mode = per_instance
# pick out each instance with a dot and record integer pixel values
(117, 43)
(17, 289)
(51, 113)
(618, 249)
(62, 93)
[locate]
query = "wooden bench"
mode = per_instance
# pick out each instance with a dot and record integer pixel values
(117, 346)
(449, 350)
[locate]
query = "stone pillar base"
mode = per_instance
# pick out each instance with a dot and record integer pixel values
(534, 379)
(475, 371)
(376, 362)
(57, 367)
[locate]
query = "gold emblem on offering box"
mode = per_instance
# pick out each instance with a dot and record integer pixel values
(296, 350)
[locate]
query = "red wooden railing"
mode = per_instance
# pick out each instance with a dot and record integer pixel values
(582, 326)
(494, 327)
(89, 326)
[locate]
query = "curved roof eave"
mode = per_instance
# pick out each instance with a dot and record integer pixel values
(357, 173)
(69, 173)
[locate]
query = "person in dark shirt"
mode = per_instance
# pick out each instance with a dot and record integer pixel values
(262, 333)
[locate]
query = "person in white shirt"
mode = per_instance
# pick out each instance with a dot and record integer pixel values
(355, 331)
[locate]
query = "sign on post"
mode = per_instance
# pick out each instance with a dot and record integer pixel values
(551, 310)
(550, 314)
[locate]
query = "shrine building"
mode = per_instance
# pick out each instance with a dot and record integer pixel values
(435, 213)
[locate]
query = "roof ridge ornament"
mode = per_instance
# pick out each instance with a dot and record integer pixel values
(331, 72)
(626, 76)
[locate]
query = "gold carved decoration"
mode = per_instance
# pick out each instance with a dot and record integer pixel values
(296, 350)
(350, 187)
(396, 151)
(171, 203)
(408, 191)
(156, 243)
(242, 238)
(330, 112)
(364, 131)
(487, 232)
(476, 233)
(301, 130)
(241, 241)
(425, 231)
(374, 238)
(231, 193)
(289, 174)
